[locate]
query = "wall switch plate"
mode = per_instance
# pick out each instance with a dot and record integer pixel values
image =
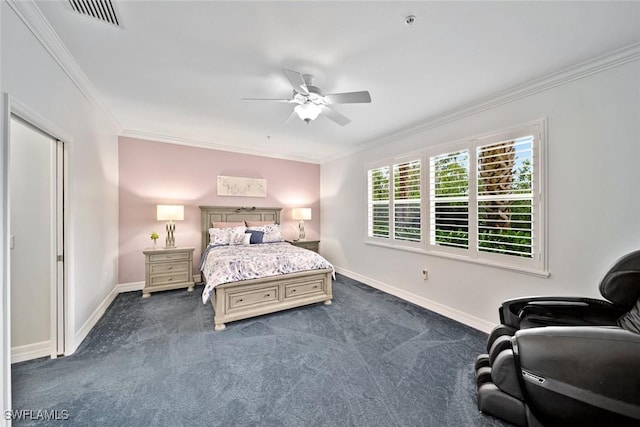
(425, 274)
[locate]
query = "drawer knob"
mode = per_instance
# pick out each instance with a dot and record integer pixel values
(293, 290)
(240, 300)
(170, 267)
(267, 295)
(315, 287)
(169, 256)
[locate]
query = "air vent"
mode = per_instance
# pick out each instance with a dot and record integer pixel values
(98, 9)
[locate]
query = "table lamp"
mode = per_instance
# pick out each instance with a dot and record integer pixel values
(302, 215)
(170, 213)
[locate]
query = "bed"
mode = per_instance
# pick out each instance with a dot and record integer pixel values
(236, 300)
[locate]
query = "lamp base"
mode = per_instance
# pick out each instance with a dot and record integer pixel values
(301, 235)
(171, 241)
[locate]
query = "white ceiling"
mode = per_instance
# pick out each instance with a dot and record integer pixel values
(177, 70)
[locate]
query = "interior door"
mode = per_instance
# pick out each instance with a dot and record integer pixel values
(36, 242)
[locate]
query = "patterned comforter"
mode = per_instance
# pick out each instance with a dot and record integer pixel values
(224, 264)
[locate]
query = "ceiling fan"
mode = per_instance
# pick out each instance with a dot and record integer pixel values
(310, 102)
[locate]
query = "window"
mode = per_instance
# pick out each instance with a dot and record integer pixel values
(406, 197)
(378, 185)
(394, 202)
(505, 197)
(449, 201)
(484, 199)
(480, 199)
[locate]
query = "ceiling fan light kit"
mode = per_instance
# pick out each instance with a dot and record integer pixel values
(308, 111)
(311, 102)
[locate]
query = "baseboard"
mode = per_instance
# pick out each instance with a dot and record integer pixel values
(102, 308)
(30, 351)
(33, 351)
(129, 287)
(452, 313)
(82, 333)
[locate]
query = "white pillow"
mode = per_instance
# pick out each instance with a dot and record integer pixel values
(272, 233)
(220, 236)
(239, 238)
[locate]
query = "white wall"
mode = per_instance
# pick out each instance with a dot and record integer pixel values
(41, 88)
(593, 203)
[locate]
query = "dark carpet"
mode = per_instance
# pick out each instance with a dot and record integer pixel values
(369, 359)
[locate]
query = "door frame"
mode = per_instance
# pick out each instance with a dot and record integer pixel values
(61, 338)
(5, 321)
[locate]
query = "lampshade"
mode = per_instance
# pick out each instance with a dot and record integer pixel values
(170, 213)
(308, 111)
(301, 214)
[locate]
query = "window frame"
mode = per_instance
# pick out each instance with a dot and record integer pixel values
(536, 265)
(391, 240)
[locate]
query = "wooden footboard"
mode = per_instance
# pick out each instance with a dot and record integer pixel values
(250, 298)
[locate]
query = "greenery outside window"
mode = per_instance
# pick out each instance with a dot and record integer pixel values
(449, 199)
(394, 202)
(485, 198)
(378, 206)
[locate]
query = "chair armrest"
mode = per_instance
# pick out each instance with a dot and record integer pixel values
(559, 311)
(596, 365)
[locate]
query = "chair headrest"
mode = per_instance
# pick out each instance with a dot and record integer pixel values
(621, 284)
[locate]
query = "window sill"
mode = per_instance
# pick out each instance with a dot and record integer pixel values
(519, 269)
(397, 246)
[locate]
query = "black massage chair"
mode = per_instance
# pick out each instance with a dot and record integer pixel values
(564, 361)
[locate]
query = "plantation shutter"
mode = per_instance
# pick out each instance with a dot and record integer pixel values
(449, 199)
(406, 201)
(378, 202)
(505, 197)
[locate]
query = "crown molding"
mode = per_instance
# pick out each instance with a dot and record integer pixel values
(213, 146)
(32, 16)
(596, 65)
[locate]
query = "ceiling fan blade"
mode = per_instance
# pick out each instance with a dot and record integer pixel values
(288, 119)
(267, 99)
(348, 97)
(296, 81)
(333, 115)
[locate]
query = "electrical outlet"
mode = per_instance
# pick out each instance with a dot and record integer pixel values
(425, 274)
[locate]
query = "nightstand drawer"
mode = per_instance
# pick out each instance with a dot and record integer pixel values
(169, 257)
(169, 267)
(312, 245)
(293, 291)
(164, 279)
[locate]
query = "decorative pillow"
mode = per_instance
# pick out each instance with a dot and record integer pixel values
(220, 236)
(256, 236)
(272, 234)
(239, 238)
(228, 224)
(258, 223)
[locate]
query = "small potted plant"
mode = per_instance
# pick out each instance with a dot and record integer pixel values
(154, 237)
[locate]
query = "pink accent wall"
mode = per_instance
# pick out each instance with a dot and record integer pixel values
(153, 173)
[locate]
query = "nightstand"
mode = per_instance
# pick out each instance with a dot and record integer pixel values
(312, 245)
(168, 268)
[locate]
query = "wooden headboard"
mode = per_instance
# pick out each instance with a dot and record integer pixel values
(210, 214)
